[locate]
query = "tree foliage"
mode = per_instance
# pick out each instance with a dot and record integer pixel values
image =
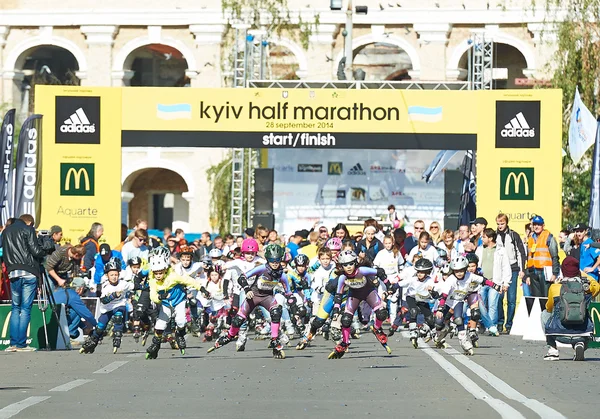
(576, 63)
(219, 178)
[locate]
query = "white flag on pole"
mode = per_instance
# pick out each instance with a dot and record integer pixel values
(582, 129)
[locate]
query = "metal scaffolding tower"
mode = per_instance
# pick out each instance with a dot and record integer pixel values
(237, 191)
(482, 62)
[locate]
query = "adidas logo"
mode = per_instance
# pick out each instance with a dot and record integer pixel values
(517, 128)
(78, 122)
(357, 170)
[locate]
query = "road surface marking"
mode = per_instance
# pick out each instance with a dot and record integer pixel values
(111, 367)
(15, 408)
(134, 355)
(70, 385)
(540, 408)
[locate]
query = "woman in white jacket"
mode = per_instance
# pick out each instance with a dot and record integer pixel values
(390, 259)
(495, 266)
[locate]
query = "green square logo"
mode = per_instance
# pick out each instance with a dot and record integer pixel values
(517, 184)
(77, 179)
(335, 168)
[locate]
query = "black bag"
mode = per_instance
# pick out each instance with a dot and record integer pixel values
(573, 307)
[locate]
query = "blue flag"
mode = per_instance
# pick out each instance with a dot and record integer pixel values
(594, 216)
(468, 209)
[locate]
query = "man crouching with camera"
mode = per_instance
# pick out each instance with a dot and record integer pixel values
(23, 256)
(63, 264)
(566, 318)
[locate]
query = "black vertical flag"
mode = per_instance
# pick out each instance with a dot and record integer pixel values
(6, 147)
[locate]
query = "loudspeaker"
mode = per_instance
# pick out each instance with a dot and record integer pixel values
(267, 220)
(451, 222)
(453, 183)
(263, 191)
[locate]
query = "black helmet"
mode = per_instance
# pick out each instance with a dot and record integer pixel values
(301, 260)
(136, 260)
(472, 258)
(423, 265)
(112, 265)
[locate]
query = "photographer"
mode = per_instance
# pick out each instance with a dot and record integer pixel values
(56, 233)
(78, 313)
(23, 256)
(566, 318)
(63, 263)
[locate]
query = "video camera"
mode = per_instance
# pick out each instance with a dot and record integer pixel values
(45, 241)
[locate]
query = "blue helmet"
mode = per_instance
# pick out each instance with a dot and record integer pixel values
(537, 220)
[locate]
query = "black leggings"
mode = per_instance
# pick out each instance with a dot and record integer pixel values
(419, 307)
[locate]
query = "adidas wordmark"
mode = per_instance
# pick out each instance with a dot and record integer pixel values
(517, 128)
(78, 123)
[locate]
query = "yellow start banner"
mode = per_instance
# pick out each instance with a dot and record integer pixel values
(81, 174)
(516, 135)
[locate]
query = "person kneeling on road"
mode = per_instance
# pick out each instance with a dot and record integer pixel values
(78, 314)
(566, 318)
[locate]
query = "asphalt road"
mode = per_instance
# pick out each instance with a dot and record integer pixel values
(506, 377)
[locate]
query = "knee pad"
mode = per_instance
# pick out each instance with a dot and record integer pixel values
(318, 323)
(346, 320)
(458, 321)
(118, 318)
(429, 320)
(414, 312)
(302, 312)
(238, 321)
(475, 314)
(381, 314)
(275, 314)
(439, 324)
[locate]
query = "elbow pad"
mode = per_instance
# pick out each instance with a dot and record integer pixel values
(106, 299)
(243, 281)
(381, 274)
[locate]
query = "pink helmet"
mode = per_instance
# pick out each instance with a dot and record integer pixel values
(334, 243)
(249, 246)
(396, 223)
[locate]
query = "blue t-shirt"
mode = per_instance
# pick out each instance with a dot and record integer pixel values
(588, 256)
(293, 249)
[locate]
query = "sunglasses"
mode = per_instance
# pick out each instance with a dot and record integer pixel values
(142, 240)
(273, 260)
(419, 228)
(348, 264)
(434, 227)
(264, 237)
(322, 231)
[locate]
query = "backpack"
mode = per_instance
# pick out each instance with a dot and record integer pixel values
(573, 307)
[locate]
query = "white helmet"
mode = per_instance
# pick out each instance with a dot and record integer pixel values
(215, 253)
(347, 256)
(459, 263)
(159, 259)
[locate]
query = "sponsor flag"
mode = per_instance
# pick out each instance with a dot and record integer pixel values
(6, 147)
(438, 164)
(28, 172)
(582, 129)
(424, 114)
(468, 209)
(594, 221)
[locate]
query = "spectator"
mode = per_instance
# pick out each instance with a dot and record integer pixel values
(412, 241)
(238, 241)
(136, 247)
(495, 265)
(79, 315)
(294, 244)
(218, 243)
(435, 233)
(542, 263)
(368, 247)
(139, 224)
(323, 233)
(167, 232)
(261, 234)
(588, 256)
(91, 245)
(393, 216)
(173, 245)
(179, 234)
(567, 241)
(341, 232)
(23, 256)
(311, 249)
(249, 232)
(399, 238)
(123, 237)
(477, 227)
(378, 230)
(102, 258)
(425, 249)
(62, 264)
(272, 237)
(356, 238)
(517, 257)
(448, 244)
(463, 237)
(229, 244)
(206, 241)
(56, 233)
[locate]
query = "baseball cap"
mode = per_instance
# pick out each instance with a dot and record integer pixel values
(105, 252)
(249, 232)
(581, 227)
(537, 220)
(480, 220)
(55, 229)
(78, 282)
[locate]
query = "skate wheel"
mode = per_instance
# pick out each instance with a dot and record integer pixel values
(332, 355)
(445, 345)
(415, 343)
(147, 356)
(182, 351)
(82, 351)
(470, 352)
(211, 350)
(476, 344)
(115, 349)
(300, 346)
(388, 349)
(281, 355)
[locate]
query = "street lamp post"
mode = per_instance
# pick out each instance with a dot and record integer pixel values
(348, 52)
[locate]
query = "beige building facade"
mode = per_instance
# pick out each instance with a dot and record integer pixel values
(178, 43)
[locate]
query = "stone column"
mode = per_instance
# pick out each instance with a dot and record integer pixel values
(320, 47)
(544, 38)
(433, 39)
(99, 40)
(208, 39)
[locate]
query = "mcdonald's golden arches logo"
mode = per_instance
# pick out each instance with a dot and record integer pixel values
(517, 183)
(335, 168)
(77, 179)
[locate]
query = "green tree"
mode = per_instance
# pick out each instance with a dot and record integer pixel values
(219, 178)
(576, 63)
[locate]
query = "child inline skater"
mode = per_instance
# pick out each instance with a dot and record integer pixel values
(419, 290)
(361, 287)
(217, 306)
(186, 266)
(167, 290)
(144, 312)
(112, 306)
(260, 292)
(460, 292)
(391, 260)
(299, 280)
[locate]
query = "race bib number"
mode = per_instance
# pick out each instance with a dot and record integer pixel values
(474, 285)
(422, 297)
(356, 282)
(266, 284)
(459, 295)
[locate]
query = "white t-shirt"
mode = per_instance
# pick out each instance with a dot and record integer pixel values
(107, 288)
(386, 260)
(129, 250)
(430, 253)
(417, 289)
